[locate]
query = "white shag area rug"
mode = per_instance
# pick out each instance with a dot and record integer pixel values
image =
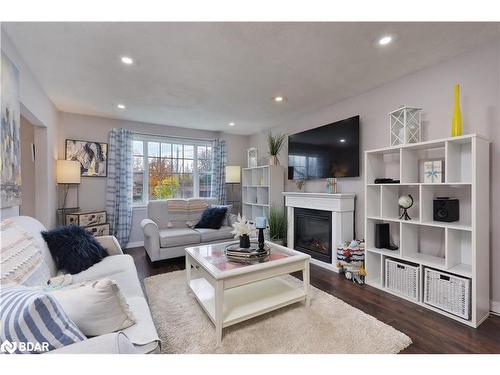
(328, 326)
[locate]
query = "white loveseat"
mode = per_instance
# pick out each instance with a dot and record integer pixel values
(168, 230)
(140, 337)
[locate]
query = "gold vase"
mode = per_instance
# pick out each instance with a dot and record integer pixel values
(456, 122)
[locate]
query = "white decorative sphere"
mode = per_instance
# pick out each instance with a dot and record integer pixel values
(405, 201)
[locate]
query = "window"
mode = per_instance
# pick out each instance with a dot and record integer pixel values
(171, 168)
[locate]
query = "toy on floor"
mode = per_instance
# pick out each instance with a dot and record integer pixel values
(351, 260)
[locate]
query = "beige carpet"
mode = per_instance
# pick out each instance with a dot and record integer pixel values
(329, 326)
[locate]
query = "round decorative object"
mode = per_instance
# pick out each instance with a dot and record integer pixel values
(405, 202)
(254, 246)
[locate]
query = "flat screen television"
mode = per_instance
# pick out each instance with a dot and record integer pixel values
(328, 151)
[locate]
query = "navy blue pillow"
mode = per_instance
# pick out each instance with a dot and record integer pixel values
(212, 218)
(73, 248)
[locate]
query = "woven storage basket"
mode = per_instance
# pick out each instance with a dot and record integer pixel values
(402, 278)
(447, 292)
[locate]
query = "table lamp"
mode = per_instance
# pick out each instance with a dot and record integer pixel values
(68, 173)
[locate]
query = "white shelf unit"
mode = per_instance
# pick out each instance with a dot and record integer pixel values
(262, 188)
(460, 248)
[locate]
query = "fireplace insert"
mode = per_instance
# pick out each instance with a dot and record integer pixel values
(313, 233)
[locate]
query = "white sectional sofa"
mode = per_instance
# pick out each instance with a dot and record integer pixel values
(168, 228)
(140, 337)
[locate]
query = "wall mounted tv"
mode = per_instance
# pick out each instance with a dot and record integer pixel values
(328, 151)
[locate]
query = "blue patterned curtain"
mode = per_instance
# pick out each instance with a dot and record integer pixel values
(119, 184)
(219, 168)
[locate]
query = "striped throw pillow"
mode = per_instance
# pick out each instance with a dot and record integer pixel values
(177, 212)
(195, 210)
(33, 321)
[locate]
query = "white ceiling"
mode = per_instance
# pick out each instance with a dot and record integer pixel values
(205, 75)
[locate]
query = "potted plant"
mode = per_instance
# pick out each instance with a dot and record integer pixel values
(275, 143)
(277, 225)
(243, 229)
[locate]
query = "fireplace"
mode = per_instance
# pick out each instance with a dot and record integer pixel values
(313, 233)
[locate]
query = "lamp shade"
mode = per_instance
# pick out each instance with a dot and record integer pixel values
(233, 173)
(68, 172)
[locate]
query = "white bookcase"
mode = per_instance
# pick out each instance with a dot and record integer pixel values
(262, 188)
(460, 248)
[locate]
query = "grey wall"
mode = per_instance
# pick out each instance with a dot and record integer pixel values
(478, 73)
(28, 204)
(93, 189)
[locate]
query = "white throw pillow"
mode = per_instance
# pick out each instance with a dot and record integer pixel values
(96, 307)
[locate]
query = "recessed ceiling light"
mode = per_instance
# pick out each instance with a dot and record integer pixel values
(127, 60)
(385, 40)
(120, 106)
(279, 99)
(342, 140)
(232, 124)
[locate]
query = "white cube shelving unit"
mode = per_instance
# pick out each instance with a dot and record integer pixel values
(459, 248)
(262, 188)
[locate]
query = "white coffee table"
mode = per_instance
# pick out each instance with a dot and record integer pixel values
(231, 292)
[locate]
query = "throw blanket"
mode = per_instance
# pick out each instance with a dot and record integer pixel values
(20, 256)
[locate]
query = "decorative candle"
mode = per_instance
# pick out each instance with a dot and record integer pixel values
(260, 222)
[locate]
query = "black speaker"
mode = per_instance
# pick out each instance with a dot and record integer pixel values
(382, 239)
(446, 209)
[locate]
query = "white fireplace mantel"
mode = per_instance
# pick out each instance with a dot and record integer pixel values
(340, 205)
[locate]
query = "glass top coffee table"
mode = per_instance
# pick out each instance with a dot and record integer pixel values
(231, 292)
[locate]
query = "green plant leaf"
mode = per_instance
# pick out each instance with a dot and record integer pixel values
(275, 143)
(277, 224)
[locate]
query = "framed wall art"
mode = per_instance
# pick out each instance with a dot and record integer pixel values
(10, 150)
(93, 157)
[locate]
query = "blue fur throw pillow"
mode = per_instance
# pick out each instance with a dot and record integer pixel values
(212, 218)
(73, 248)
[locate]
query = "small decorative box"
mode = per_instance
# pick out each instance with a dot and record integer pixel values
(86, 219)
(433, 171)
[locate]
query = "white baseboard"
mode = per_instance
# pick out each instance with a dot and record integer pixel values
(134, 244)
(495, 307)
(328, 266)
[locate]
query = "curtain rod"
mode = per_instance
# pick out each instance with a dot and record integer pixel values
(174, 136)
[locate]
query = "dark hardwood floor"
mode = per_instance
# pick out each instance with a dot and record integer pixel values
(429, 331)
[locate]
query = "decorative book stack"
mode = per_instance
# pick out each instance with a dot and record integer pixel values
(252, 254)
